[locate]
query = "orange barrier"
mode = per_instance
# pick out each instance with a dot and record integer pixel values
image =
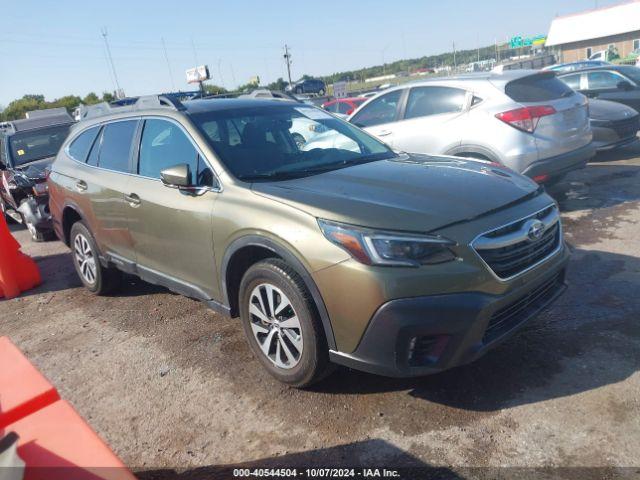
(23, 389)
(54, 441)
(57, 444)
(18, 272)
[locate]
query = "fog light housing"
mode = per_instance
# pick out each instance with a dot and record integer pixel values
(426, 350)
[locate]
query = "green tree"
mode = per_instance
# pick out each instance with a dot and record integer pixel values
(278, 85)
(91, 99)
(18, 108)
(69, 102)
(212, 89)
(108, 97)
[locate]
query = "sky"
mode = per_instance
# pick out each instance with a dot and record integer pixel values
(56, 47)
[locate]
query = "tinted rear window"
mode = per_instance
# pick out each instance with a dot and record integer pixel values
(116, 145)
(79, 148)
(537, 88)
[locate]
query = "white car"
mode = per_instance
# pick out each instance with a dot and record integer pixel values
(527, 120)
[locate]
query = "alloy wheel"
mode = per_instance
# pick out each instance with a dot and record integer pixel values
(275, 326)
(85, 259)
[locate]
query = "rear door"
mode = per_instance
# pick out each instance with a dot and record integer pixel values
(100, 182)
(610, 85)
(172, 228)
(563, 131)
(379, 116)
(429, 120)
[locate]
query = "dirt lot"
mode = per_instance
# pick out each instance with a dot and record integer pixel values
(169, 384)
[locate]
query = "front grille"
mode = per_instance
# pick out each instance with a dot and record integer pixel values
(509, 250)
(517, 312)
(627, 128)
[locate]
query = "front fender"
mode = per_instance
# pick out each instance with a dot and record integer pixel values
(285, 253)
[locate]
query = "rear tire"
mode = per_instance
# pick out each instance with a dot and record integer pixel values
(282, 325)
(95, 278)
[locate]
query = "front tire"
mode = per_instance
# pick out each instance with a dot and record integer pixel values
(282, 325)
(95, 278)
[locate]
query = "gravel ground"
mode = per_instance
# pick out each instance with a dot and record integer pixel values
(171, 385)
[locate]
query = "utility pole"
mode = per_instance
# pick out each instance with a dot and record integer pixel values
(455, 64)
(287, 59)
(220, 73)
(113, 67)
(166, 57)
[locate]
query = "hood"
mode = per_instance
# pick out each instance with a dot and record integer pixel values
(35, 170)
(604, 110)
(416, 193)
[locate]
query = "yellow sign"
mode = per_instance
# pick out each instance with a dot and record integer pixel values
(20, 152)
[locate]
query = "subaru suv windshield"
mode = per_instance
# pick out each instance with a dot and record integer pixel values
(285, 141)
(33, 145)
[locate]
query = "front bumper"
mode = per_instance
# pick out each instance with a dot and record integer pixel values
(561, 164)
(423, 335)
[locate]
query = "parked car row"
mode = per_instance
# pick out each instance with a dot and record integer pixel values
(269, 209)
(528, 121)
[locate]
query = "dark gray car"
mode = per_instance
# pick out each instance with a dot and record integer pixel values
(613, 124)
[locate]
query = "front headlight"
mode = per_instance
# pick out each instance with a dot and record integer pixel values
(373, 247)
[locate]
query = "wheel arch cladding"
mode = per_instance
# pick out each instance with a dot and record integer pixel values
(70, 215)
(248, 250)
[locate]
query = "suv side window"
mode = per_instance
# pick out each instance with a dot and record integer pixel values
(3, 154)
(79, 148)
(115, 145)
(425, 101)
(573, 80)
(164, 145)
(333, 108)
(601, 80)
(381, 110)
(344, 108)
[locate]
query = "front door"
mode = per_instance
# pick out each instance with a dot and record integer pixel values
(378, 117)
(171, 228)
(431, 119)
(609, 85)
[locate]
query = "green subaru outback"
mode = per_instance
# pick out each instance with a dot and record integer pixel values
(345, 253)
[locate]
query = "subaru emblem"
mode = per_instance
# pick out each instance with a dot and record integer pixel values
(535, 230)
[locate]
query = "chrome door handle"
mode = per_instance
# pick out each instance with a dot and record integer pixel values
(133, 199)
(81, 185)
(384, 133)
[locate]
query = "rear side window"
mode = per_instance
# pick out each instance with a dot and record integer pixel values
(425, 101)
(380, 110)
(115, 148)
(333, 108)
(572, 81)
(344, 108)
(541, 87)
(79, 148)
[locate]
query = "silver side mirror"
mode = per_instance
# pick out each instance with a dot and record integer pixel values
(177, 176)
